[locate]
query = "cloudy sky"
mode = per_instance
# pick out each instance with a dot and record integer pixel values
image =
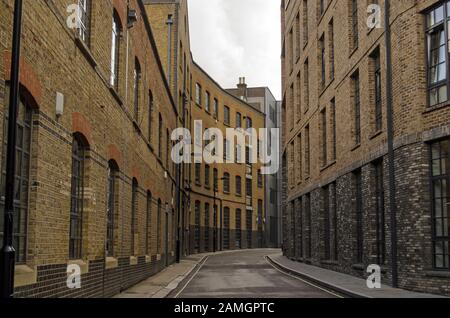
(233, 38)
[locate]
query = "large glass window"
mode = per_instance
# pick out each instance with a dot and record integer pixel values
(438, 21)
(23, 128)
(77, 196)
(440, 171)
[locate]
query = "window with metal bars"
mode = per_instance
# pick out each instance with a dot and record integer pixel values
(112, 180)
(354, 24)
(148, 222)
(207, 226)
(21, 191)
(238, 228)
(440, 194)
(249, 227)
(380, 214)
(226, 228)
(356, 108)
(197, 225)
(134, 207)
(359, 217)
(377, 83)
(326, 222)
(79, 149)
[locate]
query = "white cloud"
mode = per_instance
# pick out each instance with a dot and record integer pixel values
(234, 38)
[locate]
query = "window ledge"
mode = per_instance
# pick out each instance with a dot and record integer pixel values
(376, 134)
(133, 260)
(358, 267)
(436, 107)
(24, 275)
(328, 166)
(358, 145)
(116, 95)
(84, 266)
(111, 262)
(85, 50)
(329, 262)
(437, 273)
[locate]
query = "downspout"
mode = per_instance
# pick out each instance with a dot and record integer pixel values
(390, 137)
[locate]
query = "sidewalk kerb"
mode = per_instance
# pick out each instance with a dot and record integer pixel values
(335, 288)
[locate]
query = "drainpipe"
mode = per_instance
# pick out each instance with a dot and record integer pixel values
(8, 254)
(169, 23)
(390, 136)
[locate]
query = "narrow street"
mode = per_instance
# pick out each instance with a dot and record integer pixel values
(245, 274)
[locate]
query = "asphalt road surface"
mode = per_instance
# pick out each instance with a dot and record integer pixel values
(245, 274)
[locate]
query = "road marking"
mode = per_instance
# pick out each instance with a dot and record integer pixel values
(192, 277)
(302, 280)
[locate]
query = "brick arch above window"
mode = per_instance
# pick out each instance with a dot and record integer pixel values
(115, 154)
(81, 124)
(28, 77)
(136, 173)
(121, 10)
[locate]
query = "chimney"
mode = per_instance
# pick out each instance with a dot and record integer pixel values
(242, 89)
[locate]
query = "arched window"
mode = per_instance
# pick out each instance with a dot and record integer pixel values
(226, 226)
(115, 50)
(159, 227)
(238, 185)
(238, 228)
(79, 149)
(207, 226)
(160, 130)
(113, 170)
(226, 182)
(197, 225)
(23, 144)
(136, 86)
(148, 223)
(134, 207)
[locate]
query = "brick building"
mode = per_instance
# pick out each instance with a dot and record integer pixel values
(236, 217)
(337, 196)
(96, 186)
(263, 99)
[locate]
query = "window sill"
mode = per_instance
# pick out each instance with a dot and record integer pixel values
(436, 107)
(133, 260)
(116, 95)
(438, 273)
(24, 276)
(358, 145)
(111, 262)
(376, 134)
(330, 262)
(358, 267)
(84, 266)
(328, 166)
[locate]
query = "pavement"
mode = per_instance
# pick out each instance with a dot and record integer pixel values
(343, 284)
(258, 273)
(245, 274)
(161, 284)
